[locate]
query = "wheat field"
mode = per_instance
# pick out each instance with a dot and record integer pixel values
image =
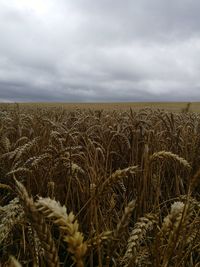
(99, 187)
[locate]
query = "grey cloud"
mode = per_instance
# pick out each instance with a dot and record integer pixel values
(144, 19)
(89, 50)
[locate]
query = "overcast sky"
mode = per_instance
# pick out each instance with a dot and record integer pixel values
(99, 50)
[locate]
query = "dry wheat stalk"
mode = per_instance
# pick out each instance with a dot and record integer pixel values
(39, 225)
(20, 170)
(67, 224)
(121, 226)
(5, 186)
(194, 181)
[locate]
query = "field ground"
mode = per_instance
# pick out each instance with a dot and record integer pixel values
(169, 106)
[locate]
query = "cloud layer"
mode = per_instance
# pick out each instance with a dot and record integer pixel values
(90, 50)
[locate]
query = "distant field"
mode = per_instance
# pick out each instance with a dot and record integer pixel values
(169, 106)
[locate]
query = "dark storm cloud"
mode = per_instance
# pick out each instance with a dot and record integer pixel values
(89, 50)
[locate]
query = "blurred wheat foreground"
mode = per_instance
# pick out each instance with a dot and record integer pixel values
(99, 187)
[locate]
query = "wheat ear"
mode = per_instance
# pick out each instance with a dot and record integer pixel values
(125, 218)
(171, 228)
(10, 215)
(67, 224)
(38, 222)
(116, 177)
(136, 236)
(170, 155)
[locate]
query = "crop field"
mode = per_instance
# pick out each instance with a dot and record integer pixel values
(100, 185)
(168, 106)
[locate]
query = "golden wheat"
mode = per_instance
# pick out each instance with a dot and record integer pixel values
(94, 162)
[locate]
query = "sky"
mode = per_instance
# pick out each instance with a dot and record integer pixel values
(99, 50)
